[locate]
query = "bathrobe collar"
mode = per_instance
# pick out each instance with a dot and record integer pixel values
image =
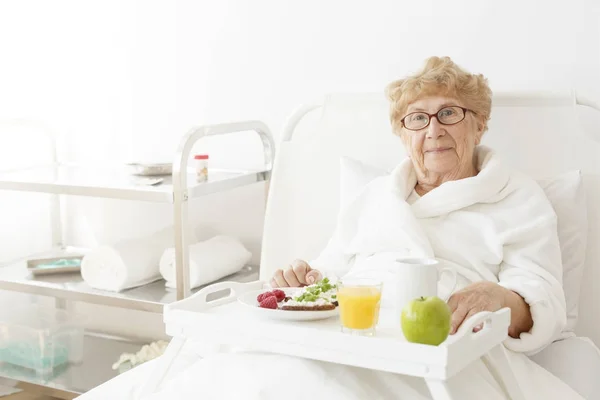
(450, 196)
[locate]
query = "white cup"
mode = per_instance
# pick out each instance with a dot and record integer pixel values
(418, 277)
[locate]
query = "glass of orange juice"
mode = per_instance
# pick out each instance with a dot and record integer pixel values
(359, 301)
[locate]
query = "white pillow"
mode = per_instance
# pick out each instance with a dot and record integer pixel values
(566, 195)
(354, 176)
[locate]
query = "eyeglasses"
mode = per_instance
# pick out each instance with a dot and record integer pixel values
(446, 116)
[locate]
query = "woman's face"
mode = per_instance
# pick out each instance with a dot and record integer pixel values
(442, 149)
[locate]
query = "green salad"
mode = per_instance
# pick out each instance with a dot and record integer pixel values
(323, 289)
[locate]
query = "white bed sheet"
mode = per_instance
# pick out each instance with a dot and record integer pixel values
(565, 358)
(576, 361)
(127, 385)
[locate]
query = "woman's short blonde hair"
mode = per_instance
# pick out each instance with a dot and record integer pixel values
(440, 77)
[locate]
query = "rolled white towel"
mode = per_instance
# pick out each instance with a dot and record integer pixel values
(126, 264)
(210, 260)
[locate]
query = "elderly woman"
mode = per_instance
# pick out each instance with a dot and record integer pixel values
(453, 200)
(495, 227)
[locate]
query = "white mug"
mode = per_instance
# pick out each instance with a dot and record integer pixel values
(418, 277)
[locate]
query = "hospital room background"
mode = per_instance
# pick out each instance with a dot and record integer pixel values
(121, 81)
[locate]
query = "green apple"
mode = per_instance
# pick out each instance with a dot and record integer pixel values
(426, 320)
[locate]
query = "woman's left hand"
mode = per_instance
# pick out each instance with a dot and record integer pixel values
(489, 296)
(477, 297)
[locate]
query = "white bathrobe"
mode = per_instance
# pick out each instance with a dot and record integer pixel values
(496, 226)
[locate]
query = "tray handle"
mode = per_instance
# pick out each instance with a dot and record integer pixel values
(488, 319)
(200, 298)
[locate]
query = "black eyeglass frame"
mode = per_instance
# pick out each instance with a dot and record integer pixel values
(429, 116)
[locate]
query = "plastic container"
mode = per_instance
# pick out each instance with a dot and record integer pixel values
(40, 338)
(54, 265)
(201, 167)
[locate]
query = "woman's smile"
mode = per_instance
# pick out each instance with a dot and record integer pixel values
(438, 150)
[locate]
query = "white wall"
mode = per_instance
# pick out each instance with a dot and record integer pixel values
(123, 79)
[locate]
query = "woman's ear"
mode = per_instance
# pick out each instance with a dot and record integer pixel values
(404, 139)
(478, 136)
(407, 143)
(480, 130)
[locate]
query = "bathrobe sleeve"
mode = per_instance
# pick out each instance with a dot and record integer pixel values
(532, 267)
(378, 222)
(333, 261)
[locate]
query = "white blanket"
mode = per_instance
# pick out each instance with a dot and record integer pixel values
(497, 226)
(210, 260)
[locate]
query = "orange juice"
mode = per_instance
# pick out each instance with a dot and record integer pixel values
(359, 306)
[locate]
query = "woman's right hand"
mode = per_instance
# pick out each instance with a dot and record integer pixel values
(299, 273)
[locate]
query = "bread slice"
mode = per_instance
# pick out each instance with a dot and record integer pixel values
(324, 307)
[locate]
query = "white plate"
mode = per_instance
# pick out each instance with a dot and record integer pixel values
(249, 299)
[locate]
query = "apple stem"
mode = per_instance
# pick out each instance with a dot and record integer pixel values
(422, 298)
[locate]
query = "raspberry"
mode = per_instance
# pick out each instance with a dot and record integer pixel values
(269, 302)
(263, 296)
(280, 294)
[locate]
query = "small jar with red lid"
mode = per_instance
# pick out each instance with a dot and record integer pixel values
(201, 167)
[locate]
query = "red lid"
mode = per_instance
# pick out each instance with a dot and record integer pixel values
(201, 157)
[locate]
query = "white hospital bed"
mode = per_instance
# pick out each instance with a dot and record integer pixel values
(540, 134)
